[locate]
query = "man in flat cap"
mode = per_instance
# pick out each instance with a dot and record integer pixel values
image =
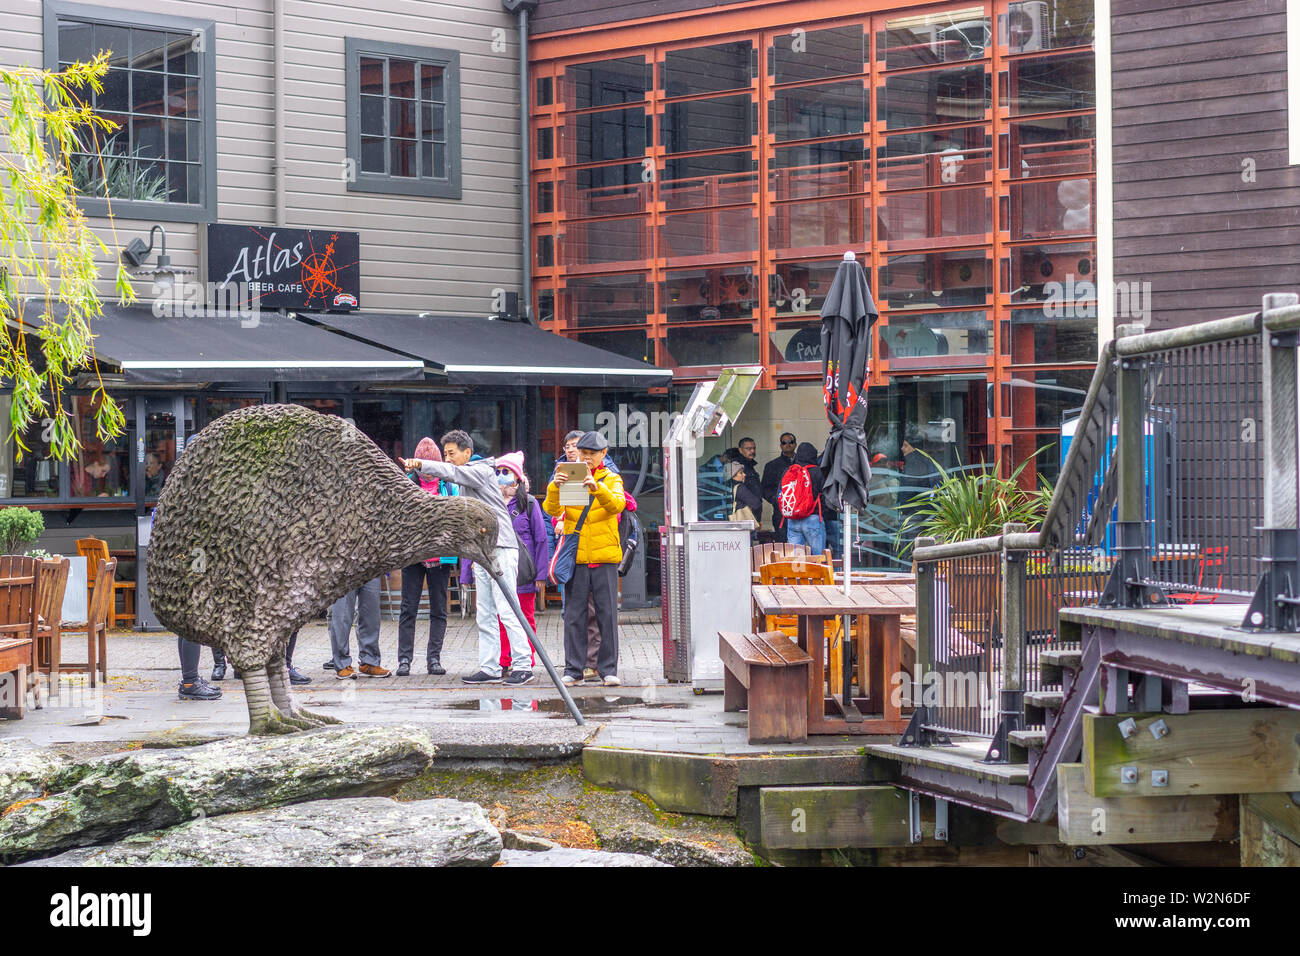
(595, 569)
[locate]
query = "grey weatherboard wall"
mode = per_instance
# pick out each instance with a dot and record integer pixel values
(1200, 104)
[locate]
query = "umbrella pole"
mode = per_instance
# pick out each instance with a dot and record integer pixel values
(845, 641)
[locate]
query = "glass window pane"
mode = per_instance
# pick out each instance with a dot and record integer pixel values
(707, 124)
(401, 118)
(707, 69)
(546, 143)
(936, 214)
(148, 136)
(606, 190)
(935, 339)
(433, 159)
(433, 122)
(545, 91)
(927, 280)
(797, 344)
(815, 54)
(381, 421)
(832, 109)
(178, 182)
(545, 200)
(183, 140)
(76, 43)
(116, 40)
(182, 96)
(696, 181)
(629, 343)
(712, 345)
(1047, 24)
(372, 154)
(402, 157)
(815, 228)
(115, 96)
(695, 295)
(37, 475)
(159, 446)
(1052, 210)
(819, 169)
(1051, 84)
(150, 182)
(607, 300)
(606, 82)
(1066, 335)
(102, 469)
(612, 134)
(146, 92)
(716, 232)
(181, 55)
(1053, 146)
(1062, 272)
(431, 83)
(440, 160)
(799, 288)
(607, 241)
(372, 116)
(371, 79)
(954, 95)
(401, 78)
(148, 50)
(545, 305)
(942, 158)
(1044, 396)
(545, 251)
(934, 38)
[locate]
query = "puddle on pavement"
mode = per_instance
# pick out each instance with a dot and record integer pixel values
(553, 706)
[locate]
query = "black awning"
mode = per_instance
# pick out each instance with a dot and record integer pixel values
(495, 352)
(264, 347)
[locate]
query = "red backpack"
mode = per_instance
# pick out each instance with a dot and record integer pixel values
(796, 498)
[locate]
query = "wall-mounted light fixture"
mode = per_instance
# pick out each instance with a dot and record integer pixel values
(136, 252)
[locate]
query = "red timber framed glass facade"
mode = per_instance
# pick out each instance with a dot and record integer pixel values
(696, 179)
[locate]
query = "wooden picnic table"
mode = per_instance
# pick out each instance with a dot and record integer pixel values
(876, 711)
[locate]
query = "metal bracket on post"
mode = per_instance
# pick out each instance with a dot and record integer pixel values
(941, 820)
(1276, 604)
(914, 817)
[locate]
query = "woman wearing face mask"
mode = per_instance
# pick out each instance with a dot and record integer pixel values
(530, 527)
(436, 572)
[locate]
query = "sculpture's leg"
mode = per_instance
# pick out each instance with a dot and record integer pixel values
(263, 716)
(282, 694)
(277, 678)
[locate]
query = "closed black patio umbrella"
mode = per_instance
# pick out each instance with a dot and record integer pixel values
(847, 316)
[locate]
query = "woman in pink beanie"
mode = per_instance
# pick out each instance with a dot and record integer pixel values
(530, 527)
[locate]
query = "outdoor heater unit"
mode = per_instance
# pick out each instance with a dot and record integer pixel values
(705, 565)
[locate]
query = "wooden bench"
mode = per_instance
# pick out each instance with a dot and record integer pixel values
(767, 674)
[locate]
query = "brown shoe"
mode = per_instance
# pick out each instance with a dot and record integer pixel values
(346, 674)
(374, 670)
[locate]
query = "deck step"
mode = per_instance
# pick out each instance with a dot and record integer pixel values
(1045, 699)
(1028, 739)
(1053, 664)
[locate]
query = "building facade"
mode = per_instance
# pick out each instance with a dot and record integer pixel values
(699, 170)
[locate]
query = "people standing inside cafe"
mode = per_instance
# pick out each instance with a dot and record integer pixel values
(433, 572)
(747, 485)
(773, 472)
(530, 529)
(595, 571)
(801, 491)
(477, 478)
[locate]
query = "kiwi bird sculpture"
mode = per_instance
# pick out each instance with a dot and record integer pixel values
(273, 513)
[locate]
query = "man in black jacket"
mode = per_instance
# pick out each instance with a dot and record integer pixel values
(773, 472)
(748, 488)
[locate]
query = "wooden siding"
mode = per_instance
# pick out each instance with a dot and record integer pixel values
(555, 15)
(417, 253)
(1199, 88)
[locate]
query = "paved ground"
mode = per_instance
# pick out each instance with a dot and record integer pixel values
(647, 712)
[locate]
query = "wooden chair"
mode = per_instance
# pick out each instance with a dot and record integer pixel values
(805, 570)
(96, 627)
(95, 550)
(761, 554)
(20, 586)
(49, 625)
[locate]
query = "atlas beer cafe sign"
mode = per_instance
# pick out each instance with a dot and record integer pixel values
(311, 270)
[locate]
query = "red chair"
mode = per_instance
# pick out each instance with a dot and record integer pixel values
(1211, 565)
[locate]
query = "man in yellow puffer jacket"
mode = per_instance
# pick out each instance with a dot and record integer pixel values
(595, 569)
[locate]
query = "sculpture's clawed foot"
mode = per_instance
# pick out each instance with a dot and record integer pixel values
(322, 720)
(268, 725)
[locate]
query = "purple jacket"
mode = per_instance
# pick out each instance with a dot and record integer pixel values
(531, 529)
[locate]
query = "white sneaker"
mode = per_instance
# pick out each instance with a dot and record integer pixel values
(612, 681)
(568, 681)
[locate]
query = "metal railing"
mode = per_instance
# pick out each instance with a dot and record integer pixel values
(1181, 486)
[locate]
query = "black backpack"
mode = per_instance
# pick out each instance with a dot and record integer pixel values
(526, 574)
(629, 536)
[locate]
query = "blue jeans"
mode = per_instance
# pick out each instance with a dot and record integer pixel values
(810, 531)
